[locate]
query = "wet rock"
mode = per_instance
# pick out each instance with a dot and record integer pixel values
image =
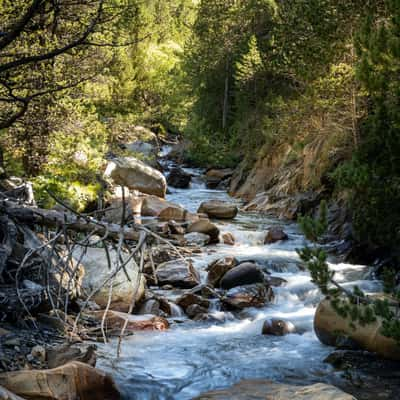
(194, 310)
(214, 177)
(228, 238)
(217, 269)
(218, 209)
(276, 281)
(206, 227)
(178, 178)
(97, 271)
(60, 355)
(115, 320)
(331, 328)
(244, 274)
(74, 380)
(189, 299)
(278, 327)
(178, 273)
(136, 175)
(268, 390)
(275, 234)
(197, 239)
(256, 295)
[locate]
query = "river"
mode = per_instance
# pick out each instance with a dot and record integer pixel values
(194, 357)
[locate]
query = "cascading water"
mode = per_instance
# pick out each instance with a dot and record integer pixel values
(193, 357)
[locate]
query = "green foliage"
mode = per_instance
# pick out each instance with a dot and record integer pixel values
(312, 228)
(355, 304)
(373, 175)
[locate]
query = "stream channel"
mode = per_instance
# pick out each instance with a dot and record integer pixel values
(194, 357)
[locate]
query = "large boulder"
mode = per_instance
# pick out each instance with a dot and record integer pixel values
(275, 234)
(178, 178)
(268, 390)
(256, 295)
(206, 227)
(331, 328)
(72, 381)
(127, 284)
(244, 274)
(217, 269)
(178, 273)
(218, 209)
(136, 175)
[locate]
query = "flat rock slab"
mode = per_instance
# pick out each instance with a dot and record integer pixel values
(267, 390)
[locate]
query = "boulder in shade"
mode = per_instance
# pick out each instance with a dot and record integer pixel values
(255, 295)
(178, 273)
(178, 178)
(217, 269)
(244, 274)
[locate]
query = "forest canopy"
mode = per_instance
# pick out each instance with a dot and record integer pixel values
(237, 79)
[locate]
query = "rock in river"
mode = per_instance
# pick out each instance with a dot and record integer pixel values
(178, 178)
(189, 299)
(136, 175)
(217, 269)
(268, 390)
(228, 238)
(178, 273)
(277, 327)
(244, 274)
(275, 234)
(206, 227)
(256, 295)
(71, 381)
(197, 239)
(218, 209)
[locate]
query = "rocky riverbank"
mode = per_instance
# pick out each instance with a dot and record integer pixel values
(191, 277)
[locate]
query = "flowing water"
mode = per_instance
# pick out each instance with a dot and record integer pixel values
(194, 357)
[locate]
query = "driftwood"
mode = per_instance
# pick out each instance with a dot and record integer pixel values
(73, 222)
(41, 252)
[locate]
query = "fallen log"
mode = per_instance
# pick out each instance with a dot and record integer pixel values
(72, 222)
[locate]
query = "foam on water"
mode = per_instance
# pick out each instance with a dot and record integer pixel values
(194, 357)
